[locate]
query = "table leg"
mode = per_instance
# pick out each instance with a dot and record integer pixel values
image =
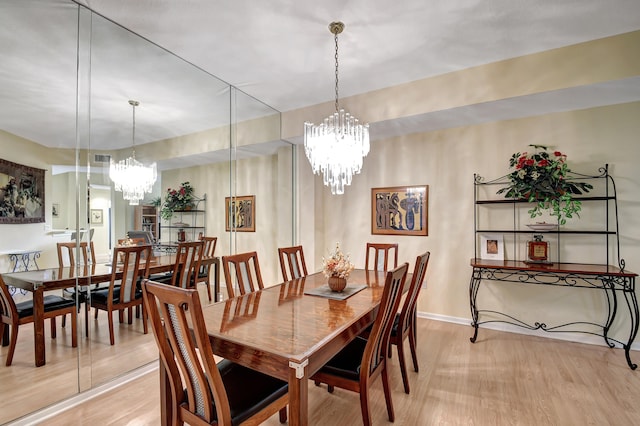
(38, 327)
(298, 394)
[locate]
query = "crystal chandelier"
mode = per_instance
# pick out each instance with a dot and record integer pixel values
(335, 148)
(131, 176)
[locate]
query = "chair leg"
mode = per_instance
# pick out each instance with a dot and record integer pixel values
(403, 366)
(53, 328)
(4, 332)
(209, 293)
(74, 329)
(283, 415)
(12, 344)
(387, 394)
(364, 405)
(144, 318)
(412, 346)
(87, 308)
(330, 388)
(111, 338)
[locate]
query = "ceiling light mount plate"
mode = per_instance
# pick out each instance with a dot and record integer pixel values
(336, 27)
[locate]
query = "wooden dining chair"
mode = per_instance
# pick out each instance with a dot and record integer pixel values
(16, 314)
(124, 293)
(363, 360)
(188, 257)
(404, 325)
(203, 392)
(86, 255)
(246, 273)
(380, 256)
(204, 273)
(292, 262)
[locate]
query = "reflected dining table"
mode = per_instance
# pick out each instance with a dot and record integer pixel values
(37, 282)
(283, 332)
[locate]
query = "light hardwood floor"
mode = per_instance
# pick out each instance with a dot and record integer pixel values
(503, 379)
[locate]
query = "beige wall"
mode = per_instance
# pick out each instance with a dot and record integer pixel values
(446, 160)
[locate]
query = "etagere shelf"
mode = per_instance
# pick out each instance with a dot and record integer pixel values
(508, 217)
(184, 225)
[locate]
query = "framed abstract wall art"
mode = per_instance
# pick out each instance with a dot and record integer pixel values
(400, 210)
(21, 193)
(240, 213)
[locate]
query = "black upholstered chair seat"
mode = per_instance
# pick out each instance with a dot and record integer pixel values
(162, 278)
(347, 362)
(396, 323)
(70, 293)
(51, 303)
(101, 296)
(243, 402)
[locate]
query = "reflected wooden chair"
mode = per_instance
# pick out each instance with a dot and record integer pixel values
(292, 262)
(380, 255)
(86, 255)
(404, 325)
(16, 314)
(363, 360)
(246, 273)
(204, 274)
(186, 266)
(124, 293)
(203, 392)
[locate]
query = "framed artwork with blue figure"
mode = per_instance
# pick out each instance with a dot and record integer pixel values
(400, 210)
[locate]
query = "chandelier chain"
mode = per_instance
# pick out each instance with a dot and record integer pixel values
(336, 40)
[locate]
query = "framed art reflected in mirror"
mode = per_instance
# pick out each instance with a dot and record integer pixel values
(240, 213)
(21, 193)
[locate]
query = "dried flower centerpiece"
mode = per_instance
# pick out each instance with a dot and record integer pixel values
(337, 268)
(541, 177)
(177, 199)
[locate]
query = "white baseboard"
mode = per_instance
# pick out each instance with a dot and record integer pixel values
(571, 337)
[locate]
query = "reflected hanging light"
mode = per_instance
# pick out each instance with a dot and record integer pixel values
(336, 147)
(131, 176)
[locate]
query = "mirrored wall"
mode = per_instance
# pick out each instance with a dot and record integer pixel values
(65, 108)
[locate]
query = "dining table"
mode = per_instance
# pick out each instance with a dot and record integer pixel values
(40, 281)
(288, 333)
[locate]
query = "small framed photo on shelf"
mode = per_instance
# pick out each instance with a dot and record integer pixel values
(491, 247)
(96, 217)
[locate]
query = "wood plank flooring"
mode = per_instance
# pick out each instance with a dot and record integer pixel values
(503, 379)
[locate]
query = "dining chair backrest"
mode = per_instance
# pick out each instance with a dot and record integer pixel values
(176, 319)
(407, 314)
(292, 262)
(69, 248)
(246, 272)
(209, 246)
(379, 256)
(198, 387)
(187, 265)
(133, 270)
(378, 341)
(8, 309)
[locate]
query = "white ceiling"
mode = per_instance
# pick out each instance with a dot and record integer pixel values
(281, 52)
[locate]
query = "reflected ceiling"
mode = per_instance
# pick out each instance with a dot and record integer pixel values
(281, 52)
